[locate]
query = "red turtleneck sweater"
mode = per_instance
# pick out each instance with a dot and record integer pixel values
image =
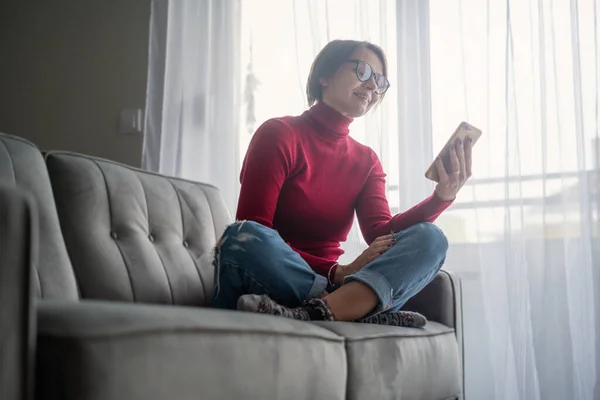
(305, 177)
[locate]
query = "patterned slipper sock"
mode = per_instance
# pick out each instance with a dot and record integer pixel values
(409, 319)
(310, 310)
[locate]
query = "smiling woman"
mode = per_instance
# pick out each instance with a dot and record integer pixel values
(334, 73)
(303, 179)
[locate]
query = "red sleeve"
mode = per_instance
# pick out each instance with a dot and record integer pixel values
(373, 210)
(269, 160)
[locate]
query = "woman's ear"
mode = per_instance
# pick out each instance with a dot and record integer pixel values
(323, 81)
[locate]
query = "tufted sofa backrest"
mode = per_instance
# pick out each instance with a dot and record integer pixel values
(136, 236)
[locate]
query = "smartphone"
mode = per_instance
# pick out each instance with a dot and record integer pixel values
(464, 131)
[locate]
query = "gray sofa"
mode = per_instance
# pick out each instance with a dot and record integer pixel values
(122, 288)
(18, 241)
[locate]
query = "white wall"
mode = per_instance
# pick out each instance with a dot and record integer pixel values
(66, 69)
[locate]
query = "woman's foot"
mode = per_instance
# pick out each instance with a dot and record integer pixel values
(310, 310)
(408, 319)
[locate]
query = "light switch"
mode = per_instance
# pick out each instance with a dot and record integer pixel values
(131, 121)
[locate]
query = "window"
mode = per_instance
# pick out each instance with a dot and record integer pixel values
(537, 153)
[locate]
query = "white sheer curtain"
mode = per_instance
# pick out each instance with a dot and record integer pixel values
(194, 81)
(525, 230)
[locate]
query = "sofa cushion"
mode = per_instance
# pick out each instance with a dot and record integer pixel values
(22, 166)
(134, 235)
(108, 350)
(400, 363)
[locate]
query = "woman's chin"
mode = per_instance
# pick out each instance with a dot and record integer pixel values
(359, 112)
(356, 110)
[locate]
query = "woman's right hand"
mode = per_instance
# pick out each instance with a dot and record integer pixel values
(377, 248)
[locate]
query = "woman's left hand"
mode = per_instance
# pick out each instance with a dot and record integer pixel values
(460, 170)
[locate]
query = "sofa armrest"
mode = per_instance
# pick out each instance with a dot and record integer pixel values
(18, 249)
(441, 301)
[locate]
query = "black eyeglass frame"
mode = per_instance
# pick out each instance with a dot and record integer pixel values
(378, 90)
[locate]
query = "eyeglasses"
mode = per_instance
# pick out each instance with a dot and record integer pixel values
(364, 72)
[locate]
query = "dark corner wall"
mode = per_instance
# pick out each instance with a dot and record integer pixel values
(67, 68)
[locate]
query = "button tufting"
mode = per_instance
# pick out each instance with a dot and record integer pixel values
(185, 244)
(114, 235)
(151, 238)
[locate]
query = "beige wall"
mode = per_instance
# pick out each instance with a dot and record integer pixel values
(66, 69)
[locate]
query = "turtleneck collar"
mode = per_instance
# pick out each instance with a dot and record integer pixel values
(329, 121)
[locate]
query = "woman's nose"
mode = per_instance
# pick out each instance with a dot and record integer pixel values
(370, 83)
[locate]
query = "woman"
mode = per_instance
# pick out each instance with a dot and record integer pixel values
(302, 180)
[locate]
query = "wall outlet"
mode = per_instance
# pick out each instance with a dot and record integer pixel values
(131, 121)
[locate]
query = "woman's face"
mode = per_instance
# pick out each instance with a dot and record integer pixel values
(346, 93)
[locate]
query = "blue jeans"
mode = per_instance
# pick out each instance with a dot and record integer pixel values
(253, 259)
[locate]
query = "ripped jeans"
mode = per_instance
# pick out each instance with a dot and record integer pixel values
(253, 259)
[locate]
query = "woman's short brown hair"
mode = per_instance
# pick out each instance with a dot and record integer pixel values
(330, 59)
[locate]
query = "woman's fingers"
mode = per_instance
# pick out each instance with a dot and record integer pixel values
(381, 246)
(454, 164)
(382, 243)
(439, 165)
(385, 241)
(380, 249)
(460, 153)
(468, 160)
(385, 237)
(377, 248)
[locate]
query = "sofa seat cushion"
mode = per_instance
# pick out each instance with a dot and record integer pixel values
(113, 350)
(400, 363)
